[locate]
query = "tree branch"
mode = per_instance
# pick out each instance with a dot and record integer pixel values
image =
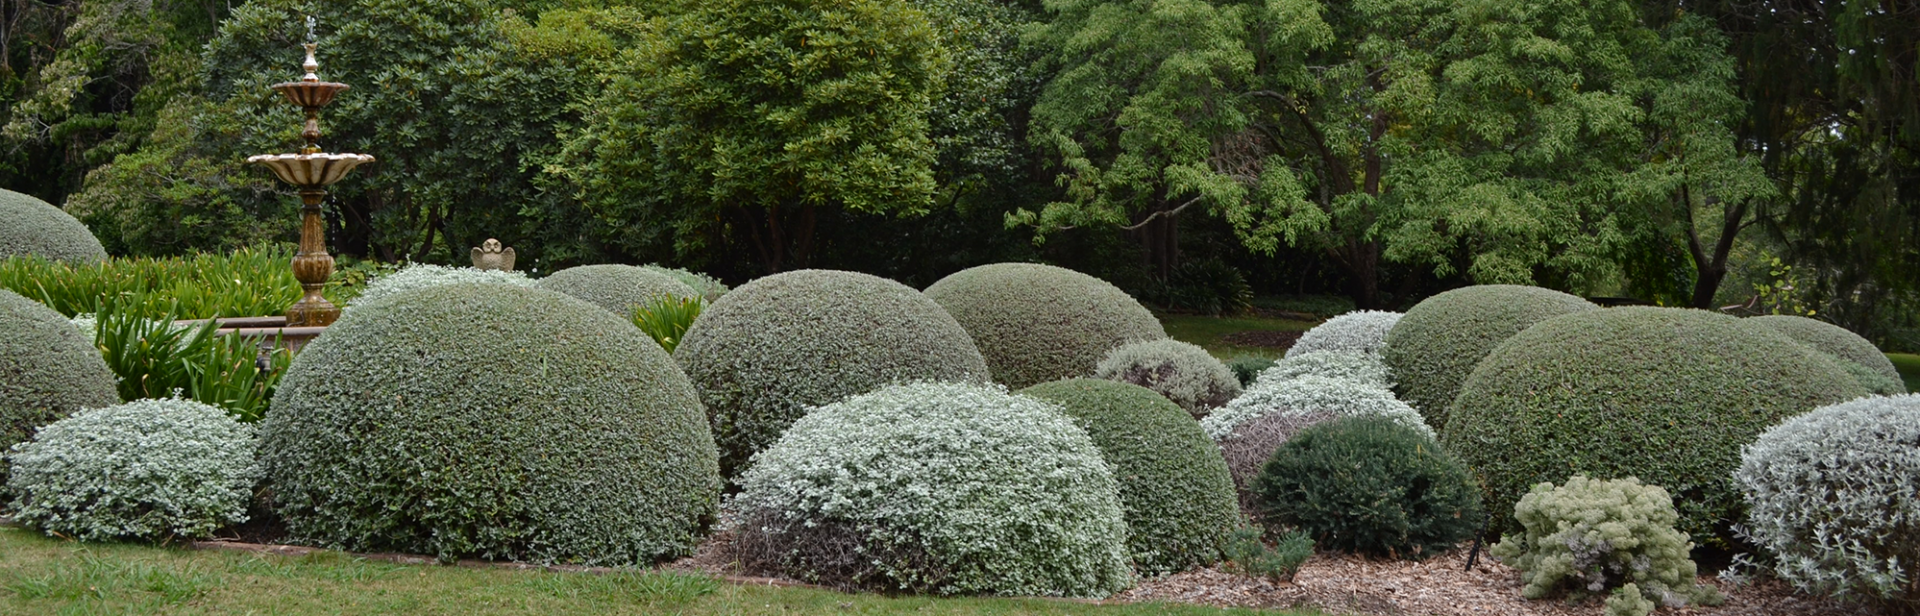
(1173, 212)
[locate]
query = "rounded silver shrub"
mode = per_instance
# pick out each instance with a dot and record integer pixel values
(1870, 367)
(1360, 331)
(1185, 374)
(947, 488)
(764, 353)
(1437, 343)
(29, 226)
(1038, 323)
(490, 421)
(422, 275)
(147, 469)
(1834, 497)
(48, 369)
(1350, 365)
(617, 288)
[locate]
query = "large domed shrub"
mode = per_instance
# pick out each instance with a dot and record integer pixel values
(764, 353)
(1874, 370)
(29, 226)
(1186, 374)
(147, 469)
(48, 369)
(617, 288)
(1835, 498)
(950, 488)
(492, 421)
(1362, 331)
(1039, 323)
(1369, 485)
(1436, 345)
(422, 275)
(1667, 395)
(1174, 487)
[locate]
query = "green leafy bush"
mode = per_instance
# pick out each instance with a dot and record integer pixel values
(1592, 536)
(667, 318)
(1249, 555)
(765, 352)
(491, 421)
(1174, 488)
(48, 369)
(1439, 341)
(1370, 485)
(1361, 331)
(618, 288)
(1350, 365)
(35, 227)
(1664, 394)
(1039, 323)
(1835, 500)
(243, 283)
(423, 275)
(949, 488)
(1870, 367)
(148, 469)
(1246, 369)
(1184, 373)
(155, 358)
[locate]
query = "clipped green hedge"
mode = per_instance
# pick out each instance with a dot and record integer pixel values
(490, 421)
(764, 353)
(1667, 395)
(1038, 323)
(35, 227)
(1879, 374)
(1174, 486)
(618, 288)
(1433, 348)
(48, 370)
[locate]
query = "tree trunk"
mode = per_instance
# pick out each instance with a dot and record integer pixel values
(1711, 269)
(782, 238)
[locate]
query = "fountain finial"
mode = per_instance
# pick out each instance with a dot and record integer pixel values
(312, 65)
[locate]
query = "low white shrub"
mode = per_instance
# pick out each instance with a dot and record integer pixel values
(1184, 373)
(1351, 365)
(421, 275)
(1311, 394)
(1362, 331)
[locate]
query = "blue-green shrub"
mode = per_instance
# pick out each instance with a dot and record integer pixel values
(491, 421)
(1433, 348)
(1369, 485)
(1186, 374)
(35, 227)
(948, 488)
(618, 288)
(1038, 323)
(1174, 487)
(765, 352)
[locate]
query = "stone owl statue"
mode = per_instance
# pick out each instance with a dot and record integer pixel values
(490, 256)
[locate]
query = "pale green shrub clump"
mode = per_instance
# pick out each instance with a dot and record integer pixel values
(1350, 365)
(1038, 323)
(490, 421)
(48, 369)
(1175, 489)
(1593, 536)
(1834, 498)
(1437, 344)
(1361, 331)
(948, 488)
(1858, 356)
(620, 289)
(29, 226)
(765, 352)
(147, 469)
(1311, 394)
(1185, 373)
(422, 275)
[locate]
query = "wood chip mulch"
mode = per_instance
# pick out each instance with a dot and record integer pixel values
(1267, 339)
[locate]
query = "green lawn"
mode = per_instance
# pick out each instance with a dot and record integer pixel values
(39, 575)
(1206, 332)
(1909, 366)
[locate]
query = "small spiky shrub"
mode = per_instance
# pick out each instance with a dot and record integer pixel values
(620, 289)
(1369, 485)
(1362, 331)
(1038, 323)
(156, 358)
(1246, 369)
(1184, 373)
(667, 318)
(148, 469)
(1433, 348)
(1175, 489)
(423, 275)
(35, 227)
(1248, 554)
(946, 488)
(48, 369)
(1350, 365)
(1835, 500)
(1593, 537)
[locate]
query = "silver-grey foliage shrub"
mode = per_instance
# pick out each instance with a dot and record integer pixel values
(490, 421)
(1593, 536)
(29, 226)
(1184, 373)
(708, 287)
(48, 369)
(947, 488)
(1361, 331)
(1834, 498)
(1311, 394)
(1350, 365)
(618, 288)
(1038, 323)
(422, 275)
(770, 349)
(147, 469)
